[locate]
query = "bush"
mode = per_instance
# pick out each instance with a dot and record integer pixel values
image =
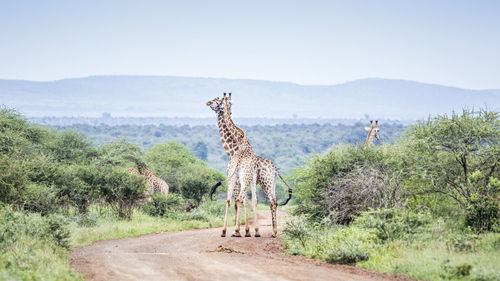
(122, 190)
(347, 181)
(332, 243)
(161, 205)
(183, 172)
(350, 245)
(391, 224)
(457, 156)
(297, 228)
(462, 242)
(455, 272)
(195, 189)
(482, 212)
(358, 190)
(33, 247)
(40, 199)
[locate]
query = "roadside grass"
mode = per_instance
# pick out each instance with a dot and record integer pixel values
(434, 260)
(105, 225)
(33, 247)
(410, 244)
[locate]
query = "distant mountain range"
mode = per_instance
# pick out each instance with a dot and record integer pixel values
(168, 96)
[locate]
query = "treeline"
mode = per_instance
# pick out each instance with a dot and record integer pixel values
(286, 144)
(433, 194)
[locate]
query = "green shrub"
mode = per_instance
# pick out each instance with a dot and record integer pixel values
(298, 229)
(86, 220)
(462, 242)
(482, 212)
(41, 199)
(350, 245)
(13, 180)
(455, 272)
(332, 243)
(33, 247)
(194, 189)
(391, 224)
(161, 205)
(122, 190)
(57, 226)
(183, 172)
(348, 180)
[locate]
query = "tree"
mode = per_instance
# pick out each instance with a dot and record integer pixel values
(175, 163)
(458, 156)
(447, 150)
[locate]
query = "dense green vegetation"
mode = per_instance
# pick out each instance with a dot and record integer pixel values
(286, 144)
(58, 190)
(427, 206)
(424, 205)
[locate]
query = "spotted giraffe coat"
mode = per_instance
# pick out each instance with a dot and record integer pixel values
(155, 183)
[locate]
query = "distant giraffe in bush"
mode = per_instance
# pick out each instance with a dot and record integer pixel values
(373, 133)
(155, 183)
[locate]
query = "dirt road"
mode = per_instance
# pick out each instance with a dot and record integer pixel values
(204, 255)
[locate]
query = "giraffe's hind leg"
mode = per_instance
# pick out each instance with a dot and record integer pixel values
(247, 228)
(255, 215)
(269, 188)
(246, 177)
(237, 207)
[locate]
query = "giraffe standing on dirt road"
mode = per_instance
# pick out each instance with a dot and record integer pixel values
(266, 170)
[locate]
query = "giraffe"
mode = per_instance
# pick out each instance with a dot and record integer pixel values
(155, 183)
(266, 178)
(266, 170)
(242, 168)
(231, 147)
(373, 133)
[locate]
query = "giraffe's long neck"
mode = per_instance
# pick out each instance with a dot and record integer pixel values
(228, 142)
(238, 134)
(370, 137)
(141, 167)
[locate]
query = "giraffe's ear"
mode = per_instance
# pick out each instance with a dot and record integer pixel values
(367, 128)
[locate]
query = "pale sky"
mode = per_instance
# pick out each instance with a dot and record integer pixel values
(454, 43)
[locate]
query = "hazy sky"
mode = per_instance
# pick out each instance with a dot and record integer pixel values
(454, 43)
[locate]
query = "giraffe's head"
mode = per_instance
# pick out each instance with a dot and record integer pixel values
(229, 103)
(376, 131)
(216, 104)
(227, 97)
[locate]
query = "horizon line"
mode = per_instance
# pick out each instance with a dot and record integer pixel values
(246, 79)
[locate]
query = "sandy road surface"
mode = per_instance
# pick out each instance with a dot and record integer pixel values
(204, 255)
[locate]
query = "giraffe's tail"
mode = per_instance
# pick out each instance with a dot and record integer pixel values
(289, 191)
(212, 190)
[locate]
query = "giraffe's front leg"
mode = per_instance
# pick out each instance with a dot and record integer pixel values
(228, 204)
(236, 232)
